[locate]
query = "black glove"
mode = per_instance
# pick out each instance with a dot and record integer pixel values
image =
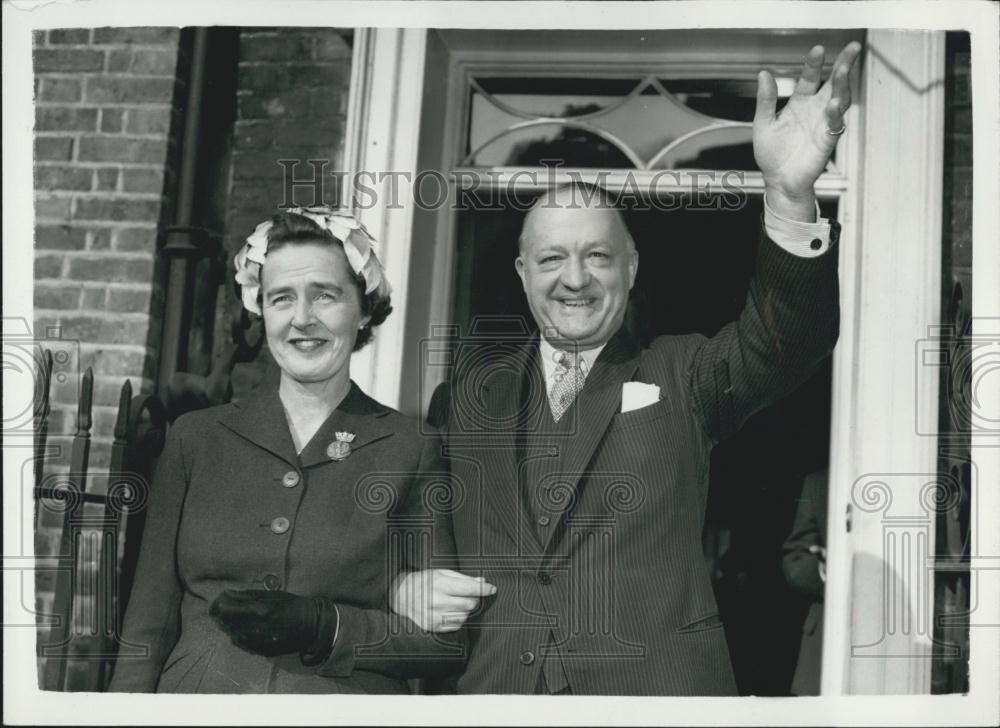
(277, 622)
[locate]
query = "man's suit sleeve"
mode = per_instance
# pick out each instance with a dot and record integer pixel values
(801, 567)
(379, 640)
(789, 324)
(152, 622)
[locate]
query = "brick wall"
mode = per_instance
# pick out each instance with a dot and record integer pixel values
(105, 101)
(108, 107)
(292, 103)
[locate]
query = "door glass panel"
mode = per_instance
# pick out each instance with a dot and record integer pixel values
(554, 97)
(723, 147)
(649, 122)
(623, 123)
(723, 98)
(537, 144)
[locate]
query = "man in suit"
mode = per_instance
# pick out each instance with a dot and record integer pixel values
(804, 564)
(580, 459)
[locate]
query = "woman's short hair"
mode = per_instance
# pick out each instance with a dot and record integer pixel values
(289, 228)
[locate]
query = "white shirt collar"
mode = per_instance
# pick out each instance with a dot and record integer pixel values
(548, 353)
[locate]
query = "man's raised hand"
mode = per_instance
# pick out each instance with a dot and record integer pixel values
(793, 146)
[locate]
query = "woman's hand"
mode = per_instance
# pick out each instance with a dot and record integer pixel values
(277, 622)
(438, 600)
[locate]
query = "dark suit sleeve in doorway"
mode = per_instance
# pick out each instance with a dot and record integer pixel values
(789, 324)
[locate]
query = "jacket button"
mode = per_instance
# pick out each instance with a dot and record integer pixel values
(272, 582)
(290, 479)
(280, 524)
(544, 521)
(544, 579)
(527, 657)
(816, 244)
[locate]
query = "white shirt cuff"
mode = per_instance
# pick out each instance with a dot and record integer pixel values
(804, 239)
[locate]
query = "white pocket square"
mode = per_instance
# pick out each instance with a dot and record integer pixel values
(636, 395)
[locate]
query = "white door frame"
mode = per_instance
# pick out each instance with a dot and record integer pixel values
(883, 460)
(382, 138)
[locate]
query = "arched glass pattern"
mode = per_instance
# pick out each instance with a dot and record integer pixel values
(625, 123)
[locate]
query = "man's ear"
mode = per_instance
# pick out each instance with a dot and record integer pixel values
(633, 268)
(519, 267)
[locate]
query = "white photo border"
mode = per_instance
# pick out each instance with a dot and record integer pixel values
(24, 703)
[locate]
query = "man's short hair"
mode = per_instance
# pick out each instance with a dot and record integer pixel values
(582, 195)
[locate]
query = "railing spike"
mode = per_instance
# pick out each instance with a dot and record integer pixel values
(124, 405)
(42, 411)
(83, 416)
(46, 383)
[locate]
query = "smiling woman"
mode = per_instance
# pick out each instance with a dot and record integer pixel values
(312, 313)
(317, 310)
(268, 554)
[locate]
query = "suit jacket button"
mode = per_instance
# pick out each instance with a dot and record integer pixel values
(543, 578)
(527, 657)
(280, 524)
(290, 479)
(272, 582)
(816, 244)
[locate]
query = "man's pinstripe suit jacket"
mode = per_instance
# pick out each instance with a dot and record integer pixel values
(610, 579)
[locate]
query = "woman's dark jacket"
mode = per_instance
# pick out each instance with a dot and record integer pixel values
(233, 506)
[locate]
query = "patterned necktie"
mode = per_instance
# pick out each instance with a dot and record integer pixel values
(569, 378)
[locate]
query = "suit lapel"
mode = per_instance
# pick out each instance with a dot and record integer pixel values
(533, 402)
(598, 402)
(504, 396)
(525, 393)
(261, 420)
(359, 415)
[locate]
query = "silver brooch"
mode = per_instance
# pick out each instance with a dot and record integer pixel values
(340, 448)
